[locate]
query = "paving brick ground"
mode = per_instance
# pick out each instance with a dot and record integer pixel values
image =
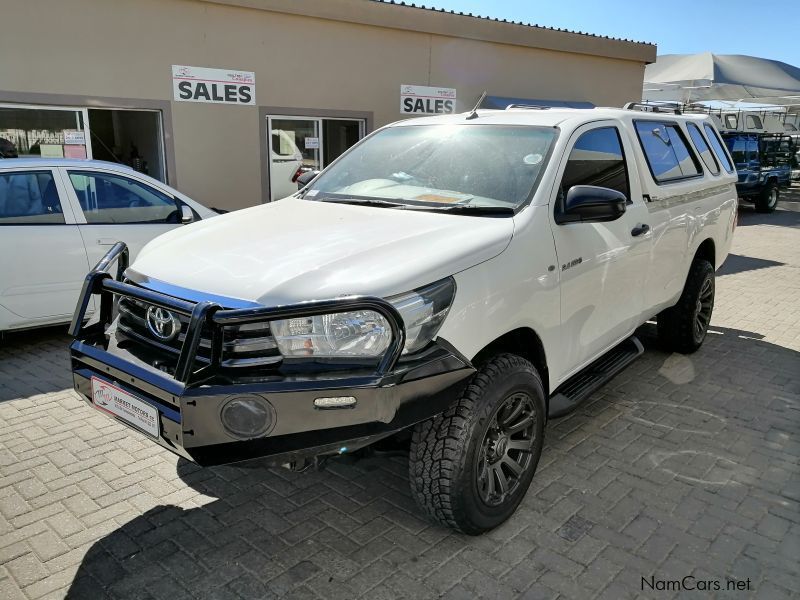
(680, 466)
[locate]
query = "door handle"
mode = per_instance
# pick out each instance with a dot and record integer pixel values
(640, 229)
(107, 241)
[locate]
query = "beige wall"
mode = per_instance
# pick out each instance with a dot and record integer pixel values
(125, 50)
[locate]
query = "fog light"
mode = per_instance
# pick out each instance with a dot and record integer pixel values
(247, 417)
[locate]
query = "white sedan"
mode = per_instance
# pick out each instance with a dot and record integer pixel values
(58, 217)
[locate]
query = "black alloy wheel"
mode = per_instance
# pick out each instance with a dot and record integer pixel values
(703, 308)
(683, 327)
(506, 452)
(469, 467)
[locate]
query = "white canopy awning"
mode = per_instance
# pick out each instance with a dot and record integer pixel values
(733, 77)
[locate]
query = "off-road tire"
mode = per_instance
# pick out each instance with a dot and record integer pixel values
(767, 200)
(445, 450)
(677, 329)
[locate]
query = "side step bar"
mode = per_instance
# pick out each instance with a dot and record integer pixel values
(583, 384)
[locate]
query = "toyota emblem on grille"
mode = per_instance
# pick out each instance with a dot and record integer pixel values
(162, 324)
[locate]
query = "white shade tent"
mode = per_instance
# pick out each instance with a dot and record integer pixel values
(725, 77)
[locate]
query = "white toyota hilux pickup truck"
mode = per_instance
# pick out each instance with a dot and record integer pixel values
(458, 279)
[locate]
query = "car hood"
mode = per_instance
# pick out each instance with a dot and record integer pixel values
(297, 250)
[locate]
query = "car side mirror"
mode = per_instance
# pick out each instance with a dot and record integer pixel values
(592, 204)
(187, 216)
(306, 178)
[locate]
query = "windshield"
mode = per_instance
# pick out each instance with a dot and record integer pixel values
(744, 151)
(440, 166)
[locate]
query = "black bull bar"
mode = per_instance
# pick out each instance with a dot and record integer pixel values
(213, 317)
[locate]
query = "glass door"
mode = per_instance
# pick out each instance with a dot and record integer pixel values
(294, 147)
(338, 135)
(133, 137)
(300, 144)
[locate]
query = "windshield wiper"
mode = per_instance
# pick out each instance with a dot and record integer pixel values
(467, 209)
(459, 209)
(361, 202)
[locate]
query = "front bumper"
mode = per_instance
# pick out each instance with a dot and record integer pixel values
(390, 397)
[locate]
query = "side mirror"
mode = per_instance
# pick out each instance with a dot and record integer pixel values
(306, 178)
(187, 216)
(592, 204)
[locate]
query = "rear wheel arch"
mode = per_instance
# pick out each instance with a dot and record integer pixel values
(707, 250)
(524, 342)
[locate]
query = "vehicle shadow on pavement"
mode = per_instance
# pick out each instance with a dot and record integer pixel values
(34, 362)
(633, 476)
(736, 263)
(787, 215)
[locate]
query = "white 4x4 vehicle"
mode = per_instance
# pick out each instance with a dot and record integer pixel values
(461, 278)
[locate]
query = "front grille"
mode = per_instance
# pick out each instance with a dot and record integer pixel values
(242, 346)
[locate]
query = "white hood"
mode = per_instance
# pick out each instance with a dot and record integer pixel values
(298, 250)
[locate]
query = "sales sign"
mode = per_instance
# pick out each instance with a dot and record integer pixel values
(425, 100)
(221, 86)
(74, 137)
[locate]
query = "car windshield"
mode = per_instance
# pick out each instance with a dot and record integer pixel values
(744, 150)
(440, 167)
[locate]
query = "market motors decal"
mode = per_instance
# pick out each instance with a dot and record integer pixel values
(424, 100)
(103, 397)
(219, 86)
(118, 402)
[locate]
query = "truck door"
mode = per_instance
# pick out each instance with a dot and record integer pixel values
(602, 265)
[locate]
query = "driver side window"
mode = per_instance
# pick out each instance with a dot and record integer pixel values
(597, 159)
(114, 199)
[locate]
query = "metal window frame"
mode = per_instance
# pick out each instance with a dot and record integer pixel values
(708, 146)
(689, 149)
(75, 102)
(282, 112)
(162, 150)
(320, 130)
(84, 111)
(710, 131)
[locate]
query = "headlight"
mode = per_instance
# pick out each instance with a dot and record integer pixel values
(423, 312)
(361, 333)
(366, 333)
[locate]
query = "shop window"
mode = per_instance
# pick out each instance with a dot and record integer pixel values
(42, 132)
(29, 198)
(107, 199)
(130, 137)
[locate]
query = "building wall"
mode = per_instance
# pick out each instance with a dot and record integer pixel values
(124, 50)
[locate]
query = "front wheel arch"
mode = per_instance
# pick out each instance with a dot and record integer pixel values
(524, 342)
